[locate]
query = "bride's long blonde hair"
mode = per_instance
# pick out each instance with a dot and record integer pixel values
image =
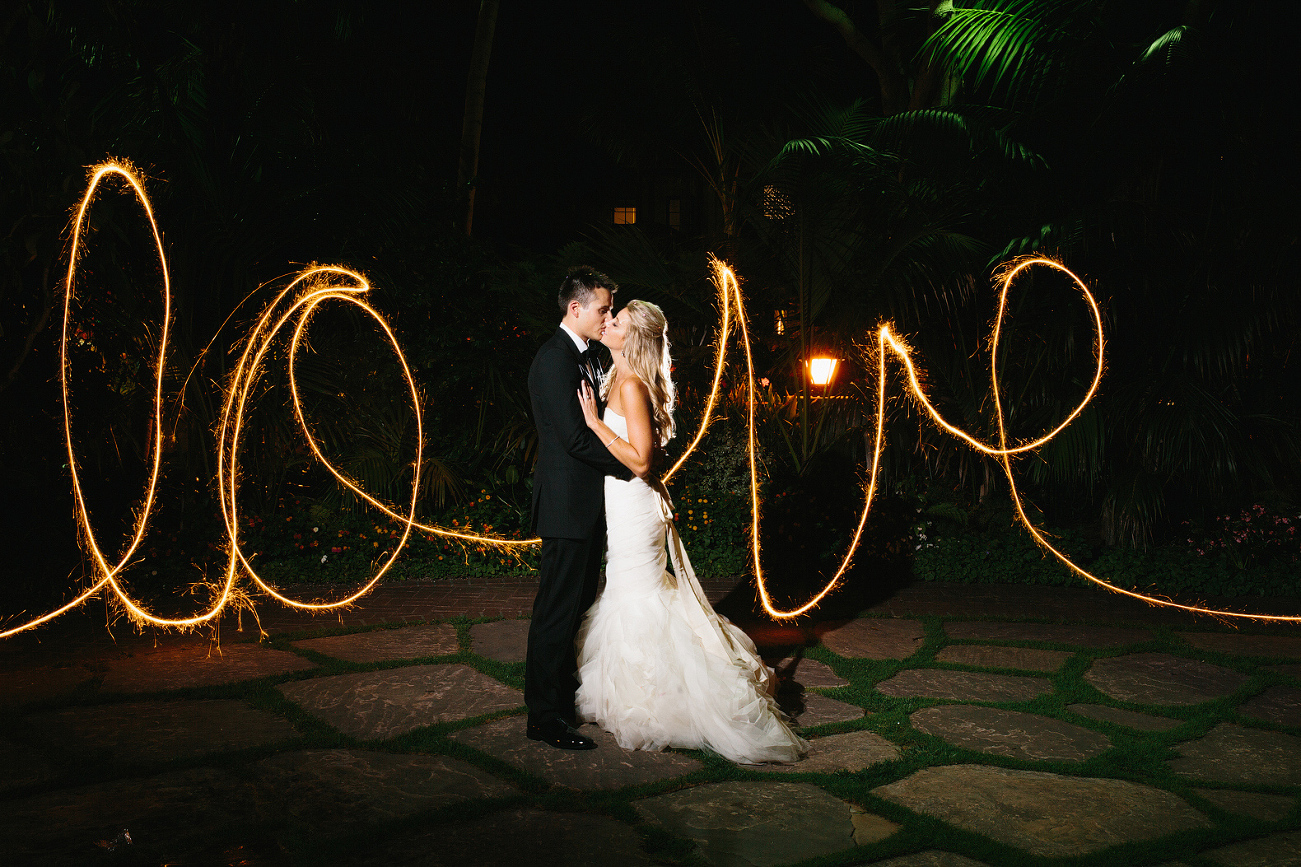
(646, 349)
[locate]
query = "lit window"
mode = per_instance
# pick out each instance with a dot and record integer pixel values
(776, 205)
(625, 216)
(675, 213)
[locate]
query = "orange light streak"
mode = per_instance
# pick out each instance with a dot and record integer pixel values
(295, 305)
(729, 293)
(1003, 451)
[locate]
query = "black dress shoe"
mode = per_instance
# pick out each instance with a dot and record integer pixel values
(559, 734)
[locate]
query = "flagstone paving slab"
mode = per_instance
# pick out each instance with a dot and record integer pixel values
(852, 751)
(1278, 704)
(963, 685)
(1276, 850)
(817, 709)
(502, 640)
(1145, 722)
(1162, 679)
(810, 674)
(385, 704)
(1096, 637)
(869, 827)
(1235, 754)
(336, 789)
(1257, 805)
(1286, 646)
(382, 645)
(176, 817)
(872, 638)
(985, 656)
(21, 767)
(538, 838)
(763, 823)
(1041, 813)
(155, 731)
(609, 766)
(42, 683)
(1010, 733)
(931, 858)
(181, 666)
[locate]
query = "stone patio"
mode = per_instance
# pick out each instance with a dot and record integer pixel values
(338, 789)
(1044, 814)
(986, 656)
(607, 767)
(870, 638)
(383, 645)
(384, 704)
(763, 823)
(1280, 705)
(850, 752)
(192, 665)
(502, 640)
(963, 685)
(1096, 637)
(1234, 754)
(1010, 733)
(1145, 722)
(263, 753)
(1163, 679)
(513, 837)
(155, 731)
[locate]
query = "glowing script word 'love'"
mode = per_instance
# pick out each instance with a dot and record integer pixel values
(292, 309)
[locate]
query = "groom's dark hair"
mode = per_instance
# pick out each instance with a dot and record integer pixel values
(580, 284)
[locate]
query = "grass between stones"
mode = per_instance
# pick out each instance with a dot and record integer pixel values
(1135, 756)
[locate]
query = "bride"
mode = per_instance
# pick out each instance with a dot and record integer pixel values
(657, 667)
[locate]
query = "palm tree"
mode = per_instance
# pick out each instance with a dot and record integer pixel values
(1157, 191)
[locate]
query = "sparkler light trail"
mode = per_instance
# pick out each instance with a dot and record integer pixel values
(293, 306)
(1003, 451)
(293, 309)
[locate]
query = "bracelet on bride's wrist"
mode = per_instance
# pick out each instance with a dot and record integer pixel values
(607, 445)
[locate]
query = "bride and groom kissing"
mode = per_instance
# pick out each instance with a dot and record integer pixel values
(649, 661)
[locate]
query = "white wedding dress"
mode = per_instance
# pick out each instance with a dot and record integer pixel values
(657, 667)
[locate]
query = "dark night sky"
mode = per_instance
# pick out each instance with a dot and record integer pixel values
(555, 63)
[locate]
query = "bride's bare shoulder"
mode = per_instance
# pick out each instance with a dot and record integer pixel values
(633, 389)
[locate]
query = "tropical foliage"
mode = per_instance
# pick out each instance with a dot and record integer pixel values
(1107, 135)
(1143, 144)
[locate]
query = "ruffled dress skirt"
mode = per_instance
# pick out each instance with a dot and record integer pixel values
(657, 666)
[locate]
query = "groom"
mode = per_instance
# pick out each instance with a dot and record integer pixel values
(568, 505)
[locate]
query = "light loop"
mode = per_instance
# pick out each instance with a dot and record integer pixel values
(296, 304)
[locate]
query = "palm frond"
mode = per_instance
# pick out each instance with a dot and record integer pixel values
(1005, 45)
(934, 134)
(1167, 47)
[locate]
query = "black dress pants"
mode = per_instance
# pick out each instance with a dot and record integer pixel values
(569, 572)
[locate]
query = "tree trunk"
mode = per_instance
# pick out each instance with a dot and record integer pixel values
(884, 60)
(472, 127)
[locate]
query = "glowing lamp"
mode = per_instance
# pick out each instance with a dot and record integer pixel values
(822, 369)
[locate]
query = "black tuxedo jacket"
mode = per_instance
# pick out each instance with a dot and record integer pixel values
(569, 479)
